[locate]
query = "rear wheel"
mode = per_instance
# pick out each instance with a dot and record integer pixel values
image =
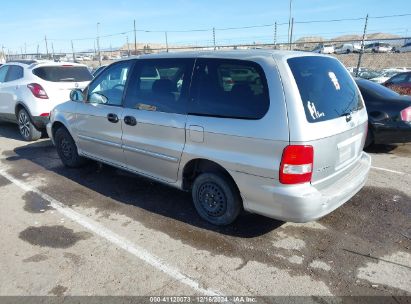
(27, 130)
(216, 199)
(67, 149)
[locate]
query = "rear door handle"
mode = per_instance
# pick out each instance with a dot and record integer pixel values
(130, 120)
(112, 118)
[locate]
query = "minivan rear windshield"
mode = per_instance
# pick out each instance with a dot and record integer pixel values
(63, 73)
(327, 91)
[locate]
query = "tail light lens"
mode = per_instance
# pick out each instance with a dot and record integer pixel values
(37, 90)
(297, 165)
(406, 114)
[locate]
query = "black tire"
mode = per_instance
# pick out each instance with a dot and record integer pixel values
(27, 130)
(347, 51)
(67, 149)
(370, 138)
(216, 199)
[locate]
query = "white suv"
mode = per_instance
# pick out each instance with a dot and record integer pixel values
(347, 48)
(30, 89)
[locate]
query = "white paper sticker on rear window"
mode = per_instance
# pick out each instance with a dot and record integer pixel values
(334, 80)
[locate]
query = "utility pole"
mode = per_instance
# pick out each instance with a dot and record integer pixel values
(25, 50)
(47, 48)
(21, 53)
(362, 46)
(98, 43)
(52, 49)
(38, 54)
(291, 32)
(135, 38)
(72, 49)
(214, 38)
(165, 34)
(128, 47)
(289, 22)
(275, 35)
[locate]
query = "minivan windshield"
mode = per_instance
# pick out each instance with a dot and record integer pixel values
(63, 73)
(326, 88)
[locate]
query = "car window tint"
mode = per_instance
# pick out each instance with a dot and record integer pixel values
(3, 73)
(15, 72)
(398, 78)
(160, 85)
(229, 89)
(64, 73)
(327, 91)
(108, 86)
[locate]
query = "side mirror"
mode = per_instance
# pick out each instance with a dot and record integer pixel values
(76, 95)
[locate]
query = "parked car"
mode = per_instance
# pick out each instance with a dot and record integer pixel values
(378, 47)
(324, 49)
(389, 114)
(403, 49)
(271, 143)
(387, 74)
(30, 89)
(401, 83)
(369, 74)
(347, 48)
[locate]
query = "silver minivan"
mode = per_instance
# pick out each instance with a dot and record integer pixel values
(276, 133)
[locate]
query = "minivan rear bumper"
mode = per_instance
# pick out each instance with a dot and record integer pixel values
(301, 203)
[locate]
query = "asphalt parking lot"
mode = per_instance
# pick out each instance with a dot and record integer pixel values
(101, 231)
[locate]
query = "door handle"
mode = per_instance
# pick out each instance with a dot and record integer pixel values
(130, 120)
(112, 118)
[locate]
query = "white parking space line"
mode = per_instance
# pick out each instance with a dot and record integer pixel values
(114, 238)
(388, 170)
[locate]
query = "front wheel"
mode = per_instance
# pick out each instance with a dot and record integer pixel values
(67, 149)
(216, 199)
(27, 130)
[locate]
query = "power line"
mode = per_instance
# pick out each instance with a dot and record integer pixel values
(225, 28)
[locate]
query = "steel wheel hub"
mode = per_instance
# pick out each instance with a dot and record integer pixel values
(212, 199)
(66, 148)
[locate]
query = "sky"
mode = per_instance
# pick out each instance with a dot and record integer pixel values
(25, 24)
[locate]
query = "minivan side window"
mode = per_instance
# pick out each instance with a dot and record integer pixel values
(15, 72)
(109, 85)
(3, 73)
(229, 89)
(160, 85)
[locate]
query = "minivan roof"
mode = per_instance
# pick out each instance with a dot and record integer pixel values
(229, 54)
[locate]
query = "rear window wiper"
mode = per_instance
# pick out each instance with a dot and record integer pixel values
(348, 115)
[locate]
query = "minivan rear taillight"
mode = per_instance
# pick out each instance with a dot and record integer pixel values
(37, 90)
(406, 114)
(297, 164)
